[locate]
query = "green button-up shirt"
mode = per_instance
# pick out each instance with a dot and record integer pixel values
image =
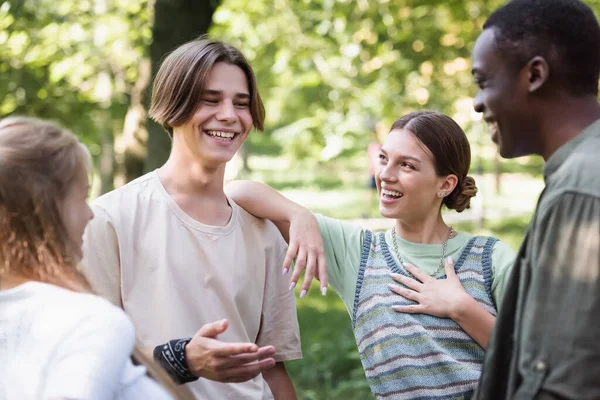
(546, 342)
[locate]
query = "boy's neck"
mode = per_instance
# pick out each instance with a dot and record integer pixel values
(197, 190)
(192, 178)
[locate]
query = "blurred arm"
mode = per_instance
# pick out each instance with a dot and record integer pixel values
(280, 383)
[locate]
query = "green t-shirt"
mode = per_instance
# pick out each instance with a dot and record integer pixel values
(343, 245)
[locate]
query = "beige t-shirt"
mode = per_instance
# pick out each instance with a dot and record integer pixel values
(172, 275)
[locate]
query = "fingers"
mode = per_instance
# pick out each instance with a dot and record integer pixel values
(245, 358)
(299, 265)
(309, 274)
(223, 349)
(417, 273)
(266, 352)
(408, 282)
(322, 273)
(316, 265)
(261, 354)
(412, 309)
(449, 267)
(289, 257)
(247, 372)
(405, 292)
(213, 329)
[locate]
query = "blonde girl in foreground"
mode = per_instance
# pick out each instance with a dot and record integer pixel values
(57, 339)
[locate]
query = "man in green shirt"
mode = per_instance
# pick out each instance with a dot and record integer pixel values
(537, 65)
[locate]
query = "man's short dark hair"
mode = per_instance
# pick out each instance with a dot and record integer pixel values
(565, 32)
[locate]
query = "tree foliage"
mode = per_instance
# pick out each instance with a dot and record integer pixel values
(68, 59)
(330, 69)
(193, 19)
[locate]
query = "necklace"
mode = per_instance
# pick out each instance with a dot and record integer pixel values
(451, 234)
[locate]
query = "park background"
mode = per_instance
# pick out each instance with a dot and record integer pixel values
(331, 74)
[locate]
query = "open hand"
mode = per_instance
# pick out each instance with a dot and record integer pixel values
(210, 358)
(443, 298)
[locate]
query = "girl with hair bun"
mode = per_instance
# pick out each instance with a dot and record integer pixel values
(57, 339)
(422, 297)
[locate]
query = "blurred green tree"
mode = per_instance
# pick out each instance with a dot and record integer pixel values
(175, 22)
(328, 70)
(75, 62)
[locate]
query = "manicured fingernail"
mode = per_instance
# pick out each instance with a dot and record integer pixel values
(303, 293)
(324, 291)
(450, 261)
(292, 286)
(407, 266)
(285, 271)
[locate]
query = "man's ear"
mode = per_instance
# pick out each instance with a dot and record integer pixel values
(538, 72)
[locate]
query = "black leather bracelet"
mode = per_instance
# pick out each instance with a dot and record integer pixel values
(171, 357)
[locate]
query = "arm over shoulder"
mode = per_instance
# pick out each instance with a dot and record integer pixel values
(101, 262)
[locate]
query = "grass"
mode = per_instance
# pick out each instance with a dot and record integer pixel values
(331, 367)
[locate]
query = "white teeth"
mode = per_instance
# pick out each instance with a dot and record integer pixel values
(392, 193)
(219, 134)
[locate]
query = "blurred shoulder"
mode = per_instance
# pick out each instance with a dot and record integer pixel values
(69, 308)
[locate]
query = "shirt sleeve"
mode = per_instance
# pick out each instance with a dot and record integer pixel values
(279, 321)
(89, 363)
(503, 259)
(343, 243)
(101, 262)
(563, 299)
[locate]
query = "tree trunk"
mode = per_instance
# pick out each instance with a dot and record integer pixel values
(106, 159)
(175, 22)
(130, 146)
(245, 155)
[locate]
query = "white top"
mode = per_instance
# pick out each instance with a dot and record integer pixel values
(172, 274)
(59, 344)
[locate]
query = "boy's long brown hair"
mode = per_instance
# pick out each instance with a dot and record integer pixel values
(39, 161)
(180, 81)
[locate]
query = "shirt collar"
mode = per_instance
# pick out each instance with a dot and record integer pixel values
(563, 152)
